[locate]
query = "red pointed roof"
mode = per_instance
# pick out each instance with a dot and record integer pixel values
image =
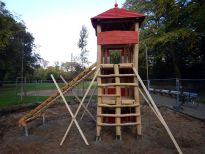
(117, 13)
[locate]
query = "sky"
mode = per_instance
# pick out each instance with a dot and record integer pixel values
(56, 24)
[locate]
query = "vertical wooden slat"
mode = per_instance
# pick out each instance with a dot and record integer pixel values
(136, 92)
(118, 101)
(99, 89)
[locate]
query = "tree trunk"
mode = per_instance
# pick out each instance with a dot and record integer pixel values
(2, 75)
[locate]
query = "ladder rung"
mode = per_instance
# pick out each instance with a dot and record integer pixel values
(125, 65)
(107, 65)
(122, 124)
(116, 75)
(108, 95)
(120, 105)
(117, 84)
(118, 115)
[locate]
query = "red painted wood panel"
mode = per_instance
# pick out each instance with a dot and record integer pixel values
(117, 37)
(122, 91)
(111, 91)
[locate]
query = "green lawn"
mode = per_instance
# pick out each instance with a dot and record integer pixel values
(9, 96)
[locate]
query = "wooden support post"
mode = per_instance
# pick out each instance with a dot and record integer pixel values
(158, 112)
(136, 48)
(137, 110)
(99, 109)
(118, 102)
(99, 52)
(43, 118)
(99, 89)
(136, 92)
(26, 130)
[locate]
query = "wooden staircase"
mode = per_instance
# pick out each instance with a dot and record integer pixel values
(44, 105)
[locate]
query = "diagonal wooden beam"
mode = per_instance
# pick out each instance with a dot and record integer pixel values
(71, 113)
(78, 109)
(44, 105)
(161, 119)
(85, 107)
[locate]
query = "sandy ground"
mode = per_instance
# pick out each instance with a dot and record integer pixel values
(189, 133)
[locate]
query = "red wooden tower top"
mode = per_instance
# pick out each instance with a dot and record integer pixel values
(117, 15)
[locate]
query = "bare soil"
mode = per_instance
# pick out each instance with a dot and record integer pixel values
(189, 133)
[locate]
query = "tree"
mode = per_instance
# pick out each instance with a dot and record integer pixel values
(115, 57)
(80, 61)
(82, 43)
(174, 36)
(16, 47)
(44, 63)
(57, 65)
(68, 66)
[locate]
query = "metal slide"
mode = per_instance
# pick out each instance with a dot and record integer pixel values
(44, 105)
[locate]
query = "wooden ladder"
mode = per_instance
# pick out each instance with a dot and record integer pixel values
(116, 101)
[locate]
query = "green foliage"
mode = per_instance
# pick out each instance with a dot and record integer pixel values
(16, 44)
(44, 73)
(82, 42)
(115, 57)
(174, 34)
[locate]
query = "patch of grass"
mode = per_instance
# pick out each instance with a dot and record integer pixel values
(10, 93)
(45, 86)
(202, 98)
(8, 98)
(86, 85)
(40, 86)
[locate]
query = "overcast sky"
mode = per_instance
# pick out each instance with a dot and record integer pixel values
(55, 24)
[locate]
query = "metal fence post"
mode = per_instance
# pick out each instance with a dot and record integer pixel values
(148, 84)
(178, 104)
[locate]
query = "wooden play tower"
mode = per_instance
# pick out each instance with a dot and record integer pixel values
(119, 83)
(118, 102)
